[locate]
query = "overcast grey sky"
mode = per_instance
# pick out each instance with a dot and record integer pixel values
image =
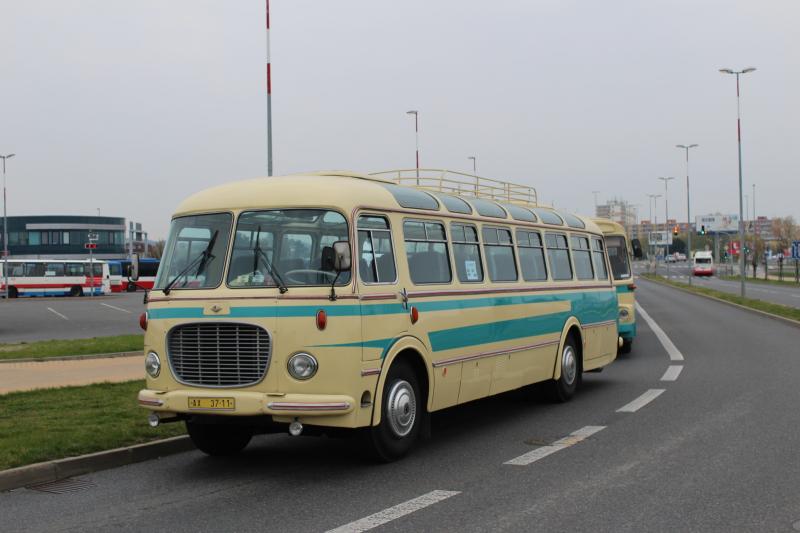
(131, 106)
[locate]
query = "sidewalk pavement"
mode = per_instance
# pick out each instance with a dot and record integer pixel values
(44, 374)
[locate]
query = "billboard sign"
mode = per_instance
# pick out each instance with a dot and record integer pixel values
(718, 223)
(660, 238)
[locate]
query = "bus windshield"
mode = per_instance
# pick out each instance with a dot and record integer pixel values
(290, 246)
(618, 257)
(703, 260)
(188, 238)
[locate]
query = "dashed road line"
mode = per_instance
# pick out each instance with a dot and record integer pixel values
(57, 313)
(117, 308)
(672, 373)
(540, 453)
(674, 353)
(393, 513)
(641, 401)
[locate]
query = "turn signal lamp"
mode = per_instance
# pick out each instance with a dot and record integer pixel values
(143, 321)
(322, 319)
(414, 315)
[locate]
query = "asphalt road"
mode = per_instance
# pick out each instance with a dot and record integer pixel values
(780, 294)
(44, 318)
(715, 451)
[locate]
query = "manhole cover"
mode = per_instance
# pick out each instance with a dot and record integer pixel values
(63, 486)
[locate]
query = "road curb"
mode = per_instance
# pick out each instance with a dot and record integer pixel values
(45, 472)
(788, 321)
(71, 357)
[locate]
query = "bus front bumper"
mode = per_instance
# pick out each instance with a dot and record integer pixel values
(245, 403)
(627, 331)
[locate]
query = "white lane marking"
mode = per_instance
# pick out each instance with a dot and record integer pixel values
(539, 453)
(641, 401)
(393, 513)
(117, 308)
(674, 353)
(56, 312)
(672, 373)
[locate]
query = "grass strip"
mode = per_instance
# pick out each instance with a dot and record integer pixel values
(760, 305)
(762, 281)
(57, 348)
(49, 424)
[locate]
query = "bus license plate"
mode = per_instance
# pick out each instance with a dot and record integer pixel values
(225, 404)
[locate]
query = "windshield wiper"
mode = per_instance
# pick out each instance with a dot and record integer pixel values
(272, 270)
(201, 260)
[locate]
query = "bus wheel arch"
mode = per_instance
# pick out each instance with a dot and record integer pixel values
(76, 290)
(572, 330)
(408, 350)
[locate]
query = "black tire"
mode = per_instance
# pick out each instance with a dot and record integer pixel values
(76, 291)
(219, 439)
(12, 292)
(563, 388)
(401, 415)
(131, 287)
(626, 346)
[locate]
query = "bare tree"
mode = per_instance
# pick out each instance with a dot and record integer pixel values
(157, 249)
(785, 230)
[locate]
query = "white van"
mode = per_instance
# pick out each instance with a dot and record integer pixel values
(703, 264)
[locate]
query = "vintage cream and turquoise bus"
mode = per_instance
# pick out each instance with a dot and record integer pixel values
(619, 255)
(338, 300)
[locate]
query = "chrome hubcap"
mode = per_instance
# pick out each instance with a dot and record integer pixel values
(569, 365)
(401, 408)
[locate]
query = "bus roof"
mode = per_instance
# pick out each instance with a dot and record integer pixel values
(346, 191)
(609, 227)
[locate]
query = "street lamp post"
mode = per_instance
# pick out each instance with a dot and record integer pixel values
(269, 101)
(654, 227)
(737, 73)
(5, 226)
(688, 212)
(595, 193)
(416, 134)
(666, 217)
(474, 164)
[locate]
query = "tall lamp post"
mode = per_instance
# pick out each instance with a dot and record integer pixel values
(654, 226)
(269, 101)
(416, 134)
(687, 147)
(5, 226)
(737, 73)
(474, 164)
(666, 217)
(595, 193)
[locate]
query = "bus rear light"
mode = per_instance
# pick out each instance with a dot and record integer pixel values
(414, 315)
(322, 319)
(143, 321)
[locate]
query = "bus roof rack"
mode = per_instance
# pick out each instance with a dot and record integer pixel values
(450, 181)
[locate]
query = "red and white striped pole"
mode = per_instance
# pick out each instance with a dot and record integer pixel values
(269, 102)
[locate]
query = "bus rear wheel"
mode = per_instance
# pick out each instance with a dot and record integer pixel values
(76, 291)
(627, 344)
(563, 388)
(219, 439)
(12, 292)
(401, 415)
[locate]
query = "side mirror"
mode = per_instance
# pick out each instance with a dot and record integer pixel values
(341, 262)
(133, 275)
(637, 249)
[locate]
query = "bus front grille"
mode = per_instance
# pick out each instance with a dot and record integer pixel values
(219, 354)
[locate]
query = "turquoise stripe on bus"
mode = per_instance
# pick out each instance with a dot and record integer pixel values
(623, 288)
(293, 311)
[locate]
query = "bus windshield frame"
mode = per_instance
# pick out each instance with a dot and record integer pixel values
(619, 258)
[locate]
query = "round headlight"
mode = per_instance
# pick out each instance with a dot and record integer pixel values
(623, 313)
(152, 364)
(302, 366)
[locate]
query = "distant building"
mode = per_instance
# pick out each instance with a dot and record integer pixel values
(64, 237)
(619, 211)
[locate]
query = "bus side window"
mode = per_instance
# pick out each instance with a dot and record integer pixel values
(75, 269)
(558, 256)
(54, 269)
(375, 253)
(34, 270)
(499, 251)
(466, 253)
(582, 257)
(599, 259)
(531, 256)
(426, 252)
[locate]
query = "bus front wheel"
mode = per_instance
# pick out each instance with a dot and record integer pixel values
(76, 291)
(401, 414)
(12, 292)
(219, 439)
(563, 388)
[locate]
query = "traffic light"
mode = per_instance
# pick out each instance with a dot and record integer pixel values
(675, 230)
(702, 230)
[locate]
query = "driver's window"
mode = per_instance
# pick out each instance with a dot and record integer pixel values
(375, 253)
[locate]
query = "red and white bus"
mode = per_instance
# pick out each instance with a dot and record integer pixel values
(54, 277)
(120, 272)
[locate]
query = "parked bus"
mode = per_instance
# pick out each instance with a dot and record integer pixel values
(339, 300)
(120, 272)
(703, 263)
(54, 277)
(620, 252)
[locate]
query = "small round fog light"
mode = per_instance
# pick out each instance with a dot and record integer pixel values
(302, 366)
(623, 313)
(152, 364)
